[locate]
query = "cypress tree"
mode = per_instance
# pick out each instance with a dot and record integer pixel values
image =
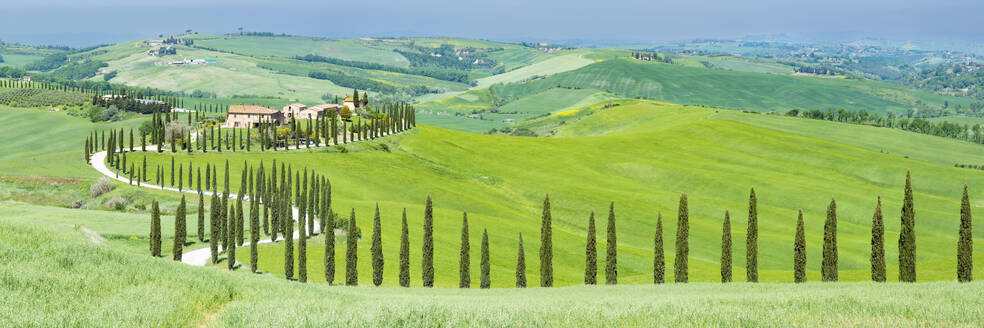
(907, 237)
(464, 258)
(546, 246)
(799, 251)
(287, 227)
(591, 254)
(878, 245)
(751, 239)
(427, 262)
(965, 245)
(201, 216)
(330, 249)
(254, 230)
(213, 241)
(726, 248)
(233, 216)
(486, 280)
(351, 253)
(521, 264)
(405, 253)
(829, 268)
(302, 229)
(377, 250)
(680, 270)
(611, 247)
(155, 230)
(179, 230)
(659, 263)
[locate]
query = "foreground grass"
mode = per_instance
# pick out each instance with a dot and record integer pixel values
(53, 276)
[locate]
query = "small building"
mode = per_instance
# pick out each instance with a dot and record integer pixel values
(293, 110)
(242, 116)
(26, 79)
(319, 111)
(350, 103)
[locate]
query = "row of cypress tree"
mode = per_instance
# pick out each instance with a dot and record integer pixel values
(311, 195)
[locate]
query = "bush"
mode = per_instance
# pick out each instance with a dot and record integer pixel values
(116, 202)
(111, 114)
(101, 187)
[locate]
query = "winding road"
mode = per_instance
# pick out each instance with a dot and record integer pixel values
(198, 257)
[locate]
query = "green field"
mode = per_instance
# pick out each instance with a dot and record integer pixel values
(348, 49)
(642, 157)
(127, 290)
(734, 89)
(552, 65)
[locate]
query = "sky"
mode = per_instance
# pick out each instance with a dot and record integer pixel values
(90, 22)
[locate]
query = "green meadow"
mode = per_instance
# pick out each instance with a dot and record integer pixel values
(642, 157)
(134, 290)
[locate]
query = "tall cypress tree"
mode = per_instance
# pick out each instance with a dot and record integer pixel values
(405, 253)
(377, 250)
(464, 257)
(521, 264)
(591, 254)
(287, 227)
(486, 280)
(201, 216)
(611, 248)
(546, 246)
(751, 239)
(659, 262)
(254, 229)
(179, 230)
(351, 253)
(829, 268)
(231, 251)
(726, 248)
(799, 251)
(878, 245)
(155, 230)
(907, 237)
(427, 259)
(302, 236)
(330, 248)
(965, 246)
(213, 240)
(680, 270)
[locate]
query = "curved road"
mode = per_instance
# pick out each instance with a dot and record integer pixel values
(199, 256)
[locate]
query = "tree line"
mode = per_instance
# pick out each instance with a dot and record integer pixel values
(310, 193)
(437, 73)
(972, 133)
(167, 132)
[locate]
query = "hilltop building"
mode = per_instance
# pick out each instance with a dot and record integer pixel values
(319, 111)
(241, 116)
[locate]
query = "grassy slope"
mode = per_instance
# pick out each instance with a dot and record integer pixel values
(555, 64)
(644, 168)
(348, 49)
(56, 150)
(231, 75)
(733, 89)
(126, 289)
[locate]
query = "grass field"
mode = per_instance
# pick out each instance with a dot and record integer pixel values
(135, 290)
(734, 89)
(552, 65)
(348, 49)
(642, 157)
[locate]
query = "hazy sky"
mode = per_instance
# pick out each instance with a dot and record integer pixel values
(88, 22)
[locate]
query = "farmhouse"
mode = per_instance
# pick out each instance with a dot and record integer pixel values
(293, 110)
(241, 116)
(320, 110)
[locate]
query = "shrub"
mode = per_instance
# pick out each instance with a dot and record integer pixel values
(116, 203)
(100, 187)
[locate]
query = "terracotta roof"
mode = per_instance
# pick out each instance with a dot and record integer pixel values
(349, 99)
(249, 109)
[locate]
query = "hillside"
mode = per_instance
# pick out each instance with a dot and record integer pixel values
(643, 157)
(130, 290)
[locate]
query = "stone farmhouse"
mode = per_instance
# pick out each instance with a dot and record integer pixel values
(241, 116)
